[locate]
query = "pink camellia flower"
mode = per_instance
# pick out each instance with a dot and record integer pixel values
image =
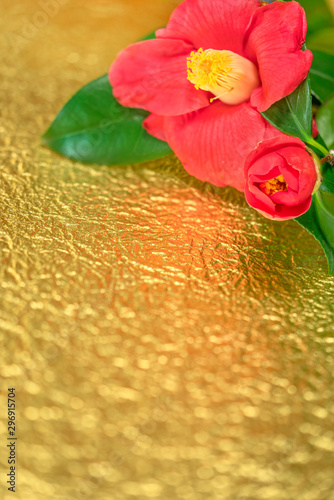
(281, 175)
(209, 73)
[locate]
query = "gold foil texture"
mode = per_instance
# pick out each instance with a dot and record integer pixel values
(165, 340)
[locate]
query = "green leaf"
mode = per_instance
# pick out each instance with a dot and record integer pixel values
(94, 128)
(327, 186)
(324, 206)
(322, 75)
(325, 122)
(322, 40)
(318, 15)
(319, 221)
(293, 114)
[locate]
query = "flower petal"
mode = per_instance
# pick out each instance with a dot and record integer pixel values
(257, 199)
(213, 143)
(275, 38)
(276, 141)
(296, 166)
(154, 125)
(152, 75)
(211, 24)
(290, 174)
(280, 212)
(315, 130)
(269, 169)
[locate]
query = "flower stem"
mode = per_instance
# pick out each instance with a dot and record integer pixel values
(318, 146)
(328, 159)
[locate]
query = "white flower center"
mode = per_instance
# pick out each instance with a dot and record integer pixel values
(230, 77)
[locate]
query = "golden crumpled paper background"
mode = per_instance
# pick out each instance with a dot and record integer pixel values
(165, 341)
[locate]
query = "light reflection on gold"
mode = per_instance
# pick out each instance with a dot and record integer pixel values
(165, 340)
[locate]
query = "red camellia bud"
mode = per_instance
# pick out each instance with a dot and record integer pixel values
(281, 175)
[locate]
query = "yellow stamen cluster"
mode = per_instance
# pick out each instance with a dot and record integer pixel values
(209, 69)
(274, 185)
(227, 75)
